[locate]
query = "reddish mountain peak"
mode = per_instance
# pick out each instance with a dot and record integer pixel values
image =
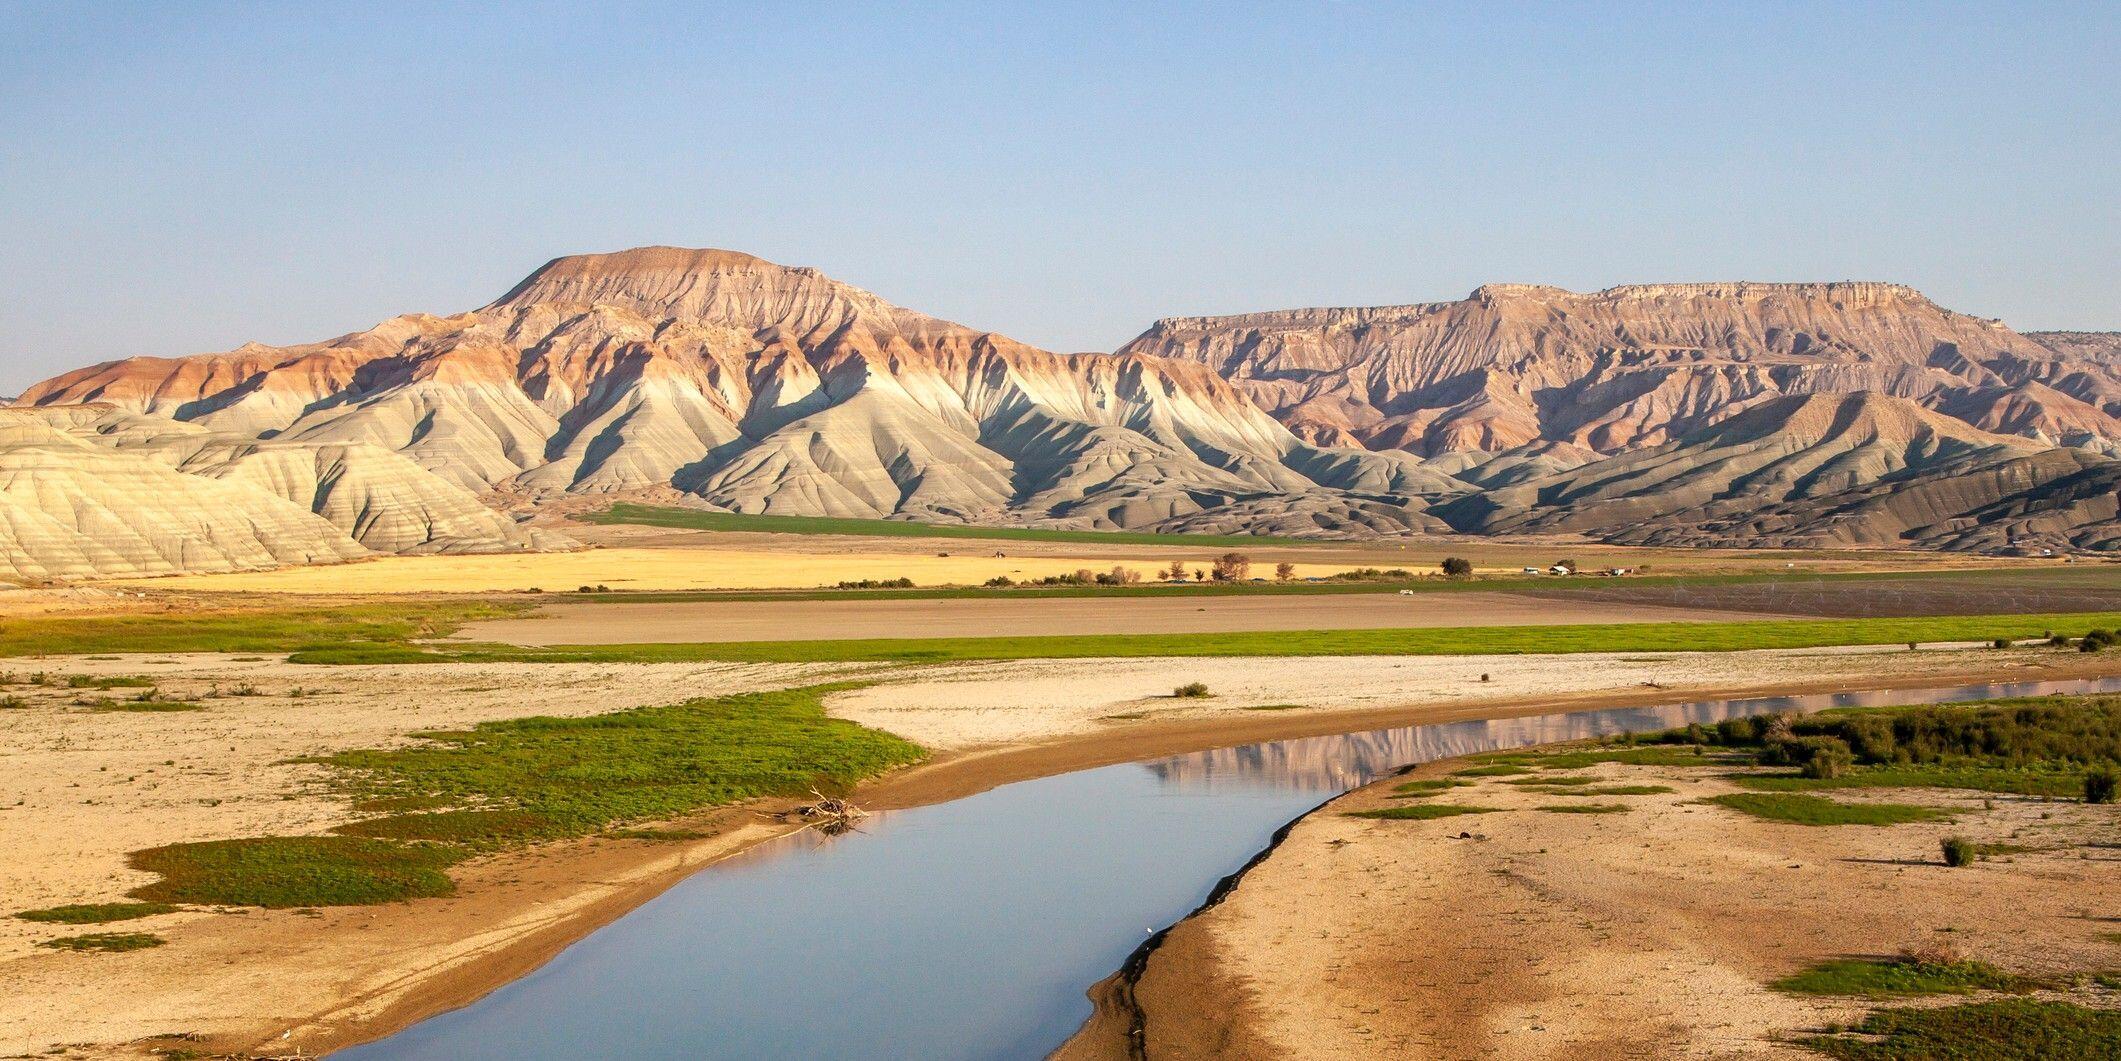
(708, 285)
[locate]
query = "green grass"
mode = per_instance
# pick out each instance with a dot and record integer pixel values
(2013, 1029)
(288, 871)
(95, 913)
(1609, 790)
(1812, 810)
(1585, 808)
(1545, 781)
(1862, 978)
(2042, 780)
(1428, 786)
(272, 631)
(1577, 760)
(1496, 770)
(1421, 812)
(107, 704)
(109, 942)
(543, 778)
(1706, 637)
(120, 681)
(508, 783)
(691, 519)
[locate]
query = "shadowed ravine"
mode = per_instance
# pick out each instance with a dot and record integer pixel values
(973, 929)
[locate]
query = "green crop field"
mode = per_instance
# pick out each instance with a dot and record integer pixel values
(1471, 640)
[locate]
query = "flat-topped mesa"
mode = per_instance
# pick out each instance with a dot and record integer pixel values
(1636, 365)
(1851, 293)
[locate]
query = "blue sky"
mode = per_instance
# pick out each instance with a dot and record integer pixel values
(183, 177)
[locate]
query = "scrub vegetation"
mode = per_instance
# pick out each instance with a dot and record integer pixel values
(1907, 976)
(2057, 746)
(95, 913)
(1421, 811)
(1813, 810)
(2013, 1029)
(105, 942)
(262, 630)
(507, 783)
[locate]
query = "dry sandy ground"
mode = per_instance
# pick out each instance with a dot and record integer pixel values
(1028, 701)
(1649, 933)
(79, 789)
(584, 623)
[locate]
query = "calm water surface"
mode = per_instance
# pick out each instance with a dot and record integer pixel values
(972, 929)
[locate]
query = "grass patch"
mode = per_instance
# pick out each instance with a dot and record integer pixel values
(271, 631)
(1491, 770)
(1703, 637)
(1585, 808)
(504, 784)
(1653, 756)
(1609, 790)
(1862, 978)
(1276, 707)
(2005, 1030)
(1421, 812)
(106, 942)
(1813, 810)
(106, 704)
(545, 778)
(1428, 786)
(120, 681)
(288, 871)
(95, 913)
(1554, 782)
(2024, 781)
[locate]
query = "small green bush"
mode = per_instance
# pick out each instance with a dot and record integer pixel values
(2099, 785)
(1192, 691)
(1959, 851)
(1827, 758)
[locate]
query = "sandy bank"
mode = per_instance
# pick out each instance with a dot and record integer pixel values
(1653, 932)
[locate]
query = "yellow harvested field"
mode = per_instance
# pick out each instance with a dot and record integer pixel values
(678, 569)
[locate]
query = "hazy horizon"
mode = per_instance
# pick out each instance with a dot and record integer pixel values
(178, 180)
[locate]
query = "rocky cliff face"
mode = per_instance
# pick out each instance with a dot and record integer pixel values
(1821, 471)
(762, 388)
(1715, 414)
(1639, 366)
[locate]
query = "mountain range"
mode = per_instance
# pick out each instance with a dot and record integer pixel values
(1714, 414)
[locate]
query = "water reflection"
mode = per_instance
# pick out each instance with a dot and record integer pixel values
(970, 929)
(1338, 763)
